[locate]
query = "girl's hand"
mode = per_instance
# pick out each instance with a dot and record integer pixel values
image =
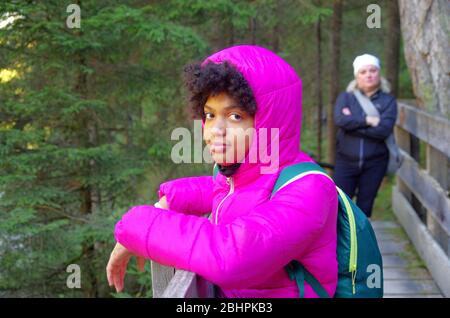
(119, 258)
(117, 266)
(163, 203)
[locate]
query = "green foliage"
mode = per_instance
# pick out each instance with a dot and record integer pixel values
(85, 124)
(73, 145)
(382, 209)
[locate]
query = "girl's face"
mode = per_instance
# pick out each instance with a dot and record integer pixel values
(228, 129)
(368, 78)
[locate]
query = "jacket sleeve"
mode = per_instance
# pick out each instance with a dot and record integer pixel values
(347, 122)
(238, 254)
(192, 195)
(386, 125)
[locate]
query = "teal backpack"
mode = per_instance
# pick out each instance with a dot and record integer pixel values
(359, 258)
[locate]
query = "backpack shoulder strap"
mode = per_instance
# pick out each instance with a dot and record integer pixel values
(366, 104)
(298, 272)
(296, 171)
(215, 170)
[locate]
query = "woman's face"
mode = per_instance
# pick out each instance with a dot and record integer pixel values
(368, 78)
(228, 129)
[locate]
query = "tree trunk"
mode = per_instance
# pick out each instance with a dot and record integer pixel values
(426, 35)
(252, 30)
(277, 28)
(90, 194)
(231, 32)
(392, 45)
(218, 40)
(81, 89)
(319, 89)
(336, 25)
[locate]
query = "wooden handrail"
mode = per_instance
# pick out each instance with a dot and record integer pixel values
(170, 283)
(420, 199)
(432, 129)
(427, 190)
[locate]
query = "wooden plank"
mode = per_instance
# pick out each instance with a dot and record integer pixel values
(413, 296)
(161, 276)
(394, 261)
(440, 234)
(186, 284)
(432, 129)
(182, 285)
(382, 235)
(408, 286)
(402, 273)
(431, 253)
(403, 139)
(404, 142)
(384, 225)
(390, 247)
(427, 190)
(437, 166)
(388, 242)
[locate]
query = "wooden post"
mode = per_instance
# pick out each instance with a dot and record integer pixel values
(188, 285)
(161, 277)
(437, 164)
(437, 167)
(403, 139)
(416, 204)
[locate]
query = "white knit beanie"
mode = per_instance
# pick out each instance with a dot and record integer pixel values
(363, 60)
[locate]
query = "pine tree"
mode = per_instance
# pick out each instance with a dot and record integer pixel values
(78, 125)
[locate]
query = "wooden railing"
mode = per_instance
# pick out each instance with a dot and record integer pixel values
(170, 283)
(420, 198)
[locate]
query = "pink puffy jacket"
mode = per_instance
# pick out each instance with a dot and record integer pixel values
(250, 238)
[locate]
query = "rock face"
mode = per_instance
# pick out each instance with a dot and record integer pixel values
(425, 26)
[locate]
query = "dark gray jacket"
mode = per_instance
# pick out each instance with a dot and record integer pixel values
(357, 141)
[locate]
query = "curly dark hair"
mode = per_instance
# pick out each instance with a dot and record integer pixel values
(212, 79)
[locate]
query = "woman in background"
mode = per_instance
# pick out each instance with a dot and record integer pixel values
(361, 153)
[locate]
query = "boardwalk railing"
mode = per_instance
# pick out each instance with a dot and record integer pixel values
(170, 283)
(420, 198)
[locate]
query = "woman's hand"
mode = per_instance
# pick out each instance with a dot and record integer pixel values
(372, 121)
(117, 266)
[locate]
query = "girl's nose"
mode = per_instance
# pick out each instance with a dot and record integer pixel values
(219, 128)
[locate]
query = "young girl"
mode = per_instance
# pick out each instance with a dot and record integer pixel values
(250, 238)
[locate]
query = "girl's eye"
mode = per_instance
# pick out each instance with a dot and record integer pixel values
(236, 117)
(209, 115)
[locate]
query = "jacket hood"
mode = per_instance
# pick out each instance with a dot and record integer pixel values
(277, 90)
(384, 85)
